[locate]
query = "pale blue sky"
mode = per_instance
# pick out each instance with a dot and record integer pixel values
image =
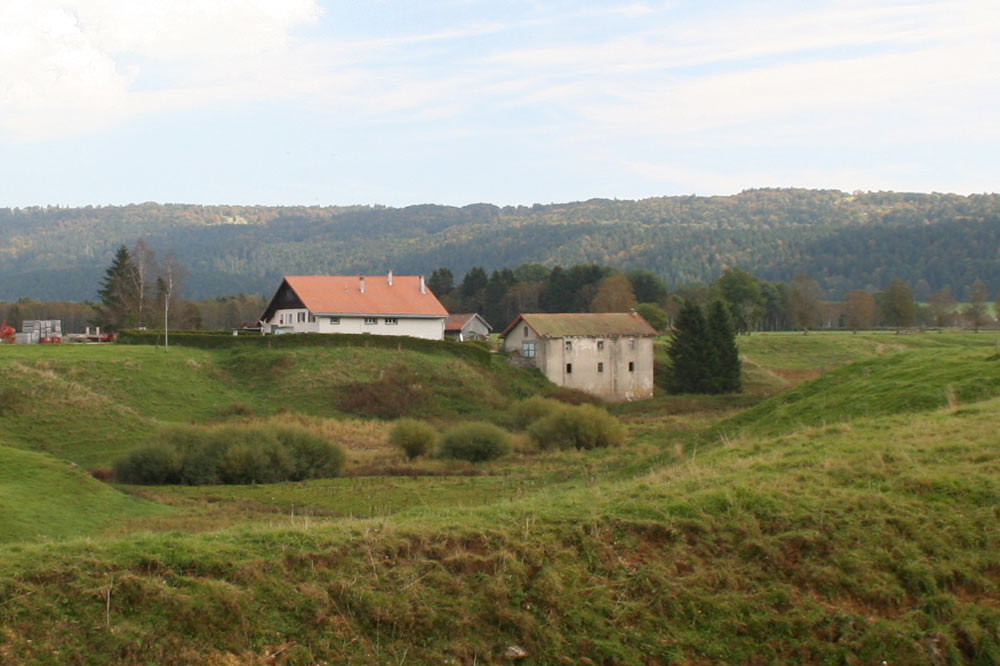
(462, 101)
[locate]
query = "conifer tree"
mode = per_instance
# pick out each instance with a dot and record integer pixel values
(691, 353)
(118, 294)
(722, 335)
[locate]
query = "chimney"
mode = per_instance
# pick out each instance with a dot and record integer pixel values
(389, 277)
(423, 285)
(361, 280)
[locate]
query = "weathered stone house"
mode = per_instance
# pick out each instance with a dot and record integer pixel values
(609, 355)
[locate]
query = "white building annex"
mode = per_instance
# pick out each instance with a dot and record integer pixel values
(375, 304)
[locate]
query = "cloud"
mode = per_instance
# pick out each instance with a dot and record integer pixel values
(72, 66)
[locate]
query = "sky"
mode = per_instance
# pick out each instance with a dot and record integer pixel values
(324, 102)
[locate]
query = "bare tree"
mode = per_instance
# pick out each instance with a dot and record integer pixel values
(144, 261)
(168, 286)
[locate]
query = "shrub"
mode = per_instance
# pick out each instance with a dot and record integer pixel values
(525, 412)
(312, 456)
(153, 464)
(198, 455)
(255, 462)
(580, 427)
(415, 438)
(474, 441)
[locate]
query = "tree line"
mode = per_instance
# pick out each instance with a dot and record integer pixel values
(845, 241)
(753, 304)
(140, 289)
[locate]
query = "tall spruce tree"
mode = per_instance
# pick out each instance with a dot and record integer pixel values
(722, 335)
(692, 354)
(119, 296)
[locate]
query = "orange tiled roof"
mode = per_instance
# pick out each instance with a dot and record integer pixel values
(341, 294)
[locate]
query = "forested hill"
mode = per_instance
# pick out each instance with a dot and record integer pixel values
(845, 241)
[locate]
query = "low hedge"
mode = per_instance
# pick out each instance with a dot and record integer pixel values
(224, 340)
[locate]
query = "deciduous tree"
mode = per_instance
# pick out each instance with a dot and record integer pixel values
(614, 294)
(860, 309)
(977, 297)
(898, 308)
(804, 302)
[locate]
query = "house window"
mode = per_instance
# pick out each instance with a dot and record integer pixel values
(600, 345)
(528, 350)
(334, 320)
(569, 345)
(569, 368)
(312, 318)
(631, 343)
(301, 317)
(391, 321)
(281, 319)
(525, 331)
(631, 366)
(371, 320)
(600, 367)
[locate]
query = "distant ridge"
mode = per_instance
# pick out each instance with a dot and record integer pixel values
(844, 240)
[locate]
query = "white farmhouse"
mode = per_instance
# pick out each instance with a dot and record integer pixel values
(380, 305)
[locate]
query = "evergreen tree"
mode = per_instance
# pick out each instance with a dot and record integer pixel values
(722, 335)
(118, 293)
(692, 355)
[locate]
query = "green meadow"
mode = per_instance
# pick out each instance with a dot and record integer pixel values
(845, 509)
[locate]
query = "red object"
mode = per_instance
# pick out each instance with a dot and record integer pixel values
(6, 333)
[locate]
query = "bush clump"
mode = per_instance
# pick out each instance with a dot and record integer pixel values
(525, 412)
(157, 463)
(413, 437)
(579, 427)
(475, 442)
(231, 454)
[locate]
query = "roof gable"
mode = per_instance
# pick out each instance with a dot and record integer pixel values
(456, 322)
(584, 324)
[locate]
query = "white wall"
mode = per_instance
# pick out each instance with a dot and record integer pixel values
(429, 328)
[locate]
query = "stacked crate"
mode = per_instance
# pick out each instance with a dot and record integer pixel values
(34, 331)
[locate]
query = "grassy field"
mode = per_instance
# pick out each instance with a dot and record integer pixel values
(844, 510)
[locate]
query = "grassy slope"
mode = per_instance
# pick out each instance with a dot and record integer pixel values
(89, 404)
(867, 538)
(45, 498)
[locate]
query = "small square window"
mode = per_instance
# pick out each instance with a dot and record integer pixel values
(334, 320)
(631, 366)
(371, 320)
(569, 368)
(391, 321)
(528, 350)
(600, 367)
(600, 345)
(569, 345)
